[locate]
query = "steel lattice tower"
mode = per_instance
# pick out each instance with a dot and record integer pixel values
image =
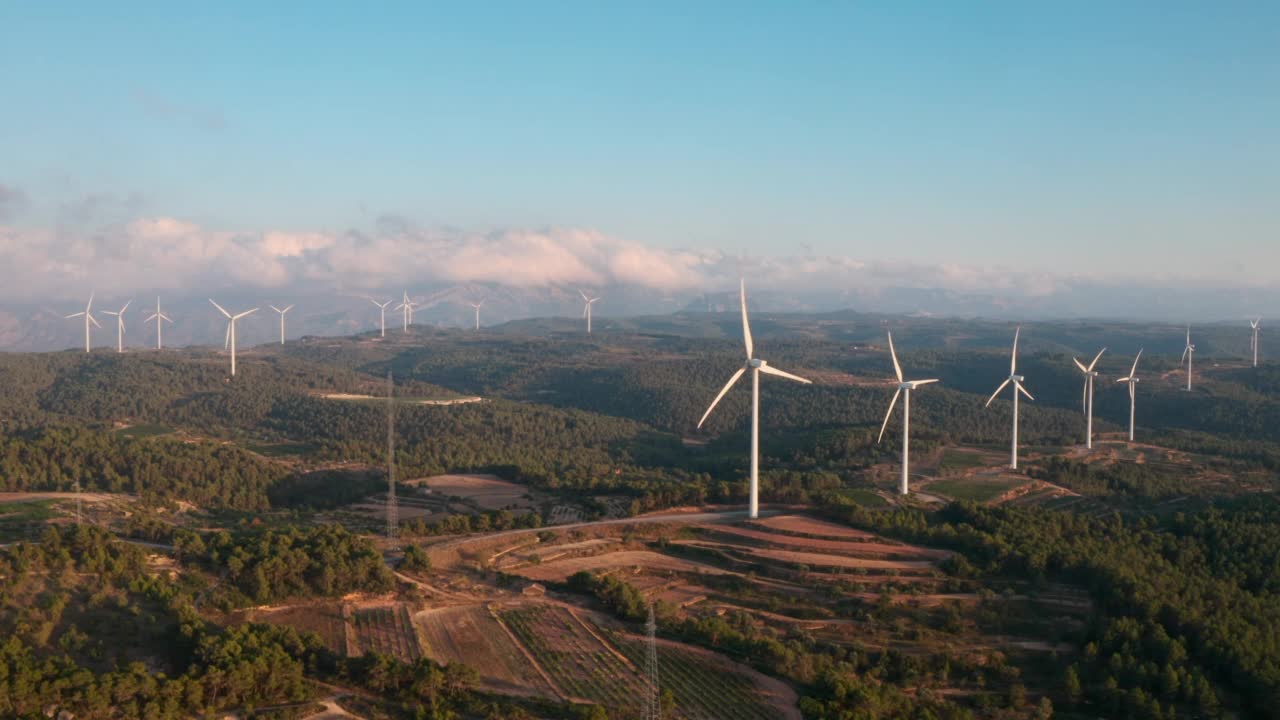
(392, 517)
(653, 709)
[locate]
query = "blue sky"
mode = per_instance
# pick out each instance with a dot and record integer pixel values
(1050, 136)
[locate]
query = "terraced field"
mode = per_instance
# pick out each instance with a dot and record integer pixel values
(386, 629)
(469, 634)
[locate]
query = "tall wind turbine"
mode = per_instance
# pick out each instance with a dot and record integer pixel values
(756, 366)
(88, 318)
(160, 319)
(1186, 355)
(904, 388)
(282, 312)
(119, 325)
(586, 313)
(477, 307)
(231, 331)
(1132, 379)
(1016, 379)
(1253, 344)
(1086, 399)
(383, 308)
(407, 307)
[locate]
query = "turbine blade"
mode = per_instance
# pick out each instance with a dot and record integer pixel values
(1084, 396)
(1023, 390)
(246, 312)
(746, 326)
(888, 414)
(771, 370)
(1124, 379)
(226, 343)
(88, 306)
(1080, 365)
(897, 369)
(732, 379)
(76, 315)
(584, 296)
(220, 308)
(918, 383)
(273, 307)
(93, 320)
(1131, 386)
(997, 392)
(1013, 359)
(287, 309)
(166, 317)
(153, 316)
(1095, 359)
(1185, 350)
(126, 306)
(1134, 370)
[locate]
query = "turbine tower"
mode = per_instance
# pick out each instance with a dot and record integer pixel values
(1132, 379)
(756, 366)
(407, 307)
(231, 331)
(160, 319)
(586, 309)
(383, 308)
(904, 388)
(477, 307)
(282, 312)
(1016, 379)
(1253, 344)
(1086, 399)
(119, 325)
(1187, 354)
(88, 318)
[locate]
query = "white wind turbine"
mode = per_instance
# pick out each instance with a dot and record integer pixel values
(904, 388)
(1189, 351)
(1086, 399)
(586, 312)
(1253, 344)
(160, 319)
(282, 312)
(756, 366)
(477, 307)
(407, 307)
(1016, 379)
(119, 325)
(88, 318)
(231, 331)
(1132, 379)
(383, 308)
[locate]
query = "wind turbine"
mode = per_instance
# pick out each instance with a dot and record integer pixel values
(586, 313)
(160, 319)
(119, 325)
(407, 307)
(1253, 344)
(231, 331)
(477, 306)
(1132, 379)
(282, 312)
(1187, 354)
(1016, 379)
(382, 307)
(1086, 399)
(756, 366)
(88, 318)
(904, 388)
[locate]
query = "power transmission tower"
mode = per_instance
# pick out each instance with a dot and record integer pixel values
(653, 709)
(392, 517)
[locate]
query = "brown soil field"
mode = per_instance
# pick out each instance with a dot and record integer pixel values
(487, 491)
(560, 570)
(11, 497)
(387, 629)
(821, 560)
(802, 525)
(859, 548)
(323, 619)
(469, 634)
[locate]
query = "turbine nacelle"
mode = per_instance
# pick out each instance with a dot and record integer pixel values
(756, 363)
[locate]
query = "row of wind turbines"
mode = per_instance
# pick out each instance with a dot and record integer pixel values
(904, 387)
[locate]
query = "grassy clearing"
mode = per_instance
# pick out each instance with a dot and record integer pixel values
(145, 430)
(864, 497)
(975, 489)
(954, 459)
(285, 449)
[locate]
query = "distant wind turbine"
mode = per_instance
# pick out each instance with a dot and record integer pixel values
(160, 319)
(282, 312)
(904, 388)
(477, 307)
(1086, 399)
(383, 308)
(1016, 379)
(756, 366)
(1187, 354)
(119, 325)
(1132, 379)
(87, 314)
(1253, 344)
(586, 311)
(231, 331)
(407, 307)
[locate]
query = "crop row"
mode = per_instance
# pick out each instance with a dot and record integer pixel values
(387, 630)
(702, 691)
